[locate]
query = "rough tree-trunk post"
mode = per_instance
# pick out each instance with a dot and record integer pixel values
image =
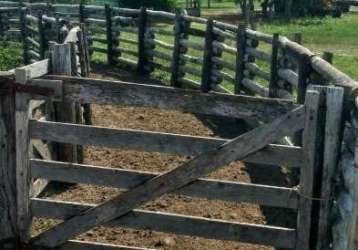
(42, 37)
(353, 241)
(8, 204)
(208, 55)
(273, 87)
(304, 71)
(109, 33)
(178, 34)
(240, 57)
(142, 55)
(24, 35)
(82, 12)
(65, 112)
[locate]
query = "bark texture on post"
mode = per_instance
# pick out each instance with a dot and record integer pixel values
(208, 54)
(8, 204)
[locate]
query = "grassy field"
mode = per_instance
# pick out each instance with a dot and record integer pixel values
(10, 55)
(339, 36)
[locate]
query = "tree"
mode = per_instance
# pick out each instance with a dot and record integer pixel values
(286, 8)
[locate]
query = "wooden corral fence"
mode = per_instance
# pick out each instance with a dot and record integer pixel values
(281, 117)
(203, 54)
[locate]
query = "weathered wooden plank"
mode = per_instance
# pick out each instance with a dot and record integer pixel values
(37, 187)
(22, 116)
(202, 188)
(175, 223)
(86, 245)
(238, 148)
(85, 90)
(308, 170)
(31, 71)
(42, 149)
(353, 238)
(54, 85)
(153, 141)
(332, 138)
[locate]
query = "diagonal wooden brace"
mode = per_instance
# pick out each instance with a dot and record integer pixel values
(200, 166)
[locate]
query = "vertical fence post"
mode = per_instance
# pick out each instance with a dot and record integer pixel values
(312, 137)
(332, 143)
(353, 237)
(8, 211)
(22, 117)
(240, 57)
(178, 35)
(2, 25)
(304, 70)
(208, 55)
(273, 86)
(82, 12)
(24, 35)
(42, 38)
(64, 112)
(109, 34)
(142, 55)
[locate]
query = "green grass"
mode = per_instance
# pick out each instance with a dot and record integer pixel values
(10, 55)
(337, 35)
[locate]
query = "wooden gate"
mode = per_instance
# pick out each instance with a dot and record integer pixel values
(282, 118)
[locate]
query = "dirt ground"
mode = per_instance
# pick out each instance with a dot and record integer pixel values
(173, 122)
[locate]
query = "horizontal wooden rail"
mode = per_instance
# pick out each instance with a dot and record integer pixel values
(86, 90)
(153, 141)
(86, 245)
(202, 188)
(178, 224)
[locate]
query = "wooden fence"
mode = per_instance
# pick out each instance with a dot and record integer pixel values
(283, 118)
(208, 55)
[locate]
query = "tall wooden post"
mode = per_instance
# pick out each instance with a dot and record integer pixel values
(312, 138)
(24, 35)
(64, 112)
(42, 37)
(178, 34)
(353, 237)
(109, 33)
(332, 149)
(273, 87)
(23, 181)
(2, 25)
(8, 212)
(208, 56)
(240, 58)
(82, 12)
(142, 56)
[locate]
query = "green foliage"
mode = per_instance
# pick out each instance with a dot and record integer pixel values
(10, 55)
(167, 5)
